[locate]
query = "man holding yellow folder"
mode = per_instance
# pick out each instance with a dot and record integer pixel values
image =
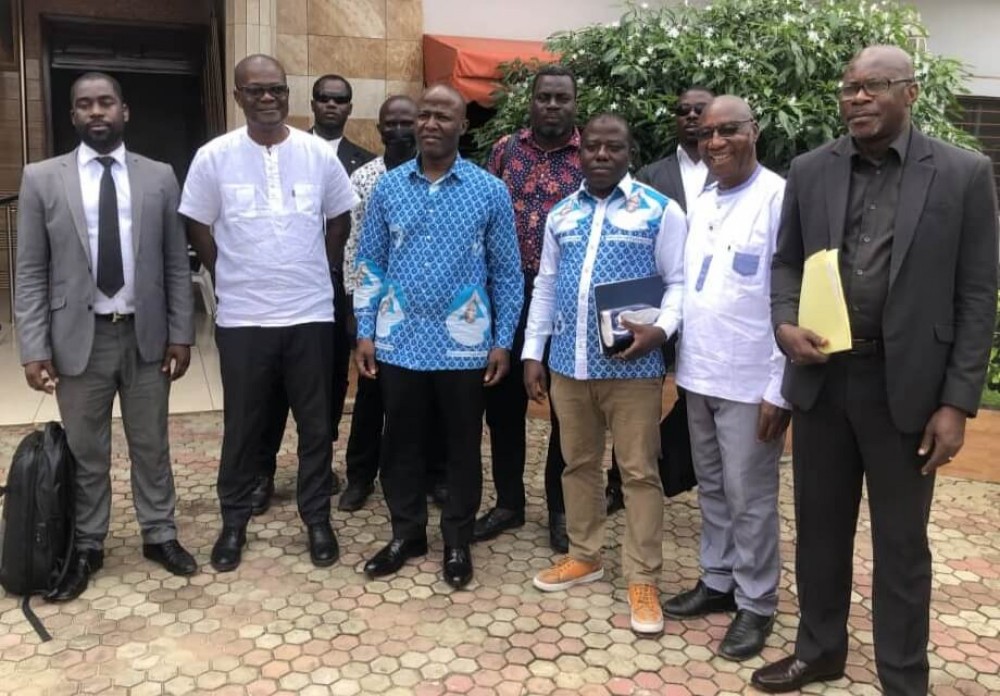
(915, 223)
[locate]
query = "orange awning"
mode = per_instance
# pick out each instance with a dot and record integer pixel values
(472, 65)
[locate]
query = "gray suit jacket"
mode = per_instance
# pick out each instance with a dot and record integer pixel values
(665, 176)
(55, 284)
(939, 313)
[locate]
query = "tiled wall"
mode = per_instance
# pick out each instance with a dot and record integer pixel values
(376, 44)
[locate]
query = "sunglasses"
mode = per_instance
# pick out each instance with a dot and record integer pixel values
(685, 109)
(340, 99)
(725, 130)
(257, 91)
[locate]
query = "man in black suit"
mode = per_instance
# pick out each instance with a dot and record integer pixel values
(681, 175)
(331, 103)
(915, 220)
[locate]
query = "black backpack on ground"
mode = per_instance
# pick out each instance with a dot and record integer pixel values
(36, 530)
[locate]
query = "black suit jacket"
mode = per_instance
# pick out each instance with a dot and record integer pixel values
(939, 313)
(665, 176)
(353, 156)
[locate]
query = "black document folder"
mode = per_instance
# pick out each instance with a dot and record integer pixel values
(637, 300)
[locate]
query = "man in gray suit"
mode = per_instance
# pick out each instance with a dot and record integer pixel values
(915, 221)
(104, 308)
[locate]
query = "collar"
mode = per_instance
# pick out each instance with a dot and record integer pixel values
(684, 158)
(415, 169)
(527, 136)
(86, 154)
(625, 186)
(901, 144)
(714, 185)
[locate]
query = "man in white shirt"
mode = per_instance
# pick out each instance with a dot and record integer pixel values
(731, 369)
(258, 200)
(104, 309)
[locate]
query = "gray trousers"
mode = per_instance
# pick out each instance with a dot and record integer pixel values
(738, 495)
(85, 404)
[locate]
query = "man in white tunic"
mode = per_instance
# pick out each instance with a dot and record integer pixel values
(731, 367)
(268, 209)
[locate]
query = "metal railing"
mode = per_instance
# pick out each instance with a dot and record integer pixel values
(8, 246)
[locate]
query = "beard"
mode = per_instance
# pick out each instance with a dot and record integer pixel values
(102, 141)
(554, 131)
(400, 147)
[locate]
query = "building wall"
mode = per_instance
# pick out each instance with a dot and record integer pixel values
(376, 44)
(518, 19)
(969, 30)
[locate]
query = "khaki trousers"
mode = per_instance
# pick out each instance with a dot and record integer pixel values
(630, 408)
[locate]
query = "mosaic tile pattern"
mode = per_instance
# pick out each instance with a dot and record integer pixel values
(280, 626)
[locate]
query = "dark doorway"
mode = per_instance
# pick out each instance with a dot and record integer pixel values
(161, 70)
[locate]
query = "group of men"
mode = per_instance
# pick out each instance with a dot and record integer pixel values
(473, 291)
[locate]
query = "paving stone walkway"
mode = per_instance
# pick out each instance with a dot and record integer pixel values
(280, 626)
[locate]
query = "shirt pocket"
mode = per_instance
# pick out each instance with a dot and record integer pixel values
(746, 264)
(306, 198)
(238, 200)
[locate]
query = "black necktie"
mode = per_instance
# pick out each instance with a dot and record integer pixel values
(110, 276)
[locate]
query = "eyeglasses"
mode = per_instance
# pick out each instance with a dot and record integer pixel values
(685, 109)
(324, 98)
(725, 130)
(873, 87)
(257, 91)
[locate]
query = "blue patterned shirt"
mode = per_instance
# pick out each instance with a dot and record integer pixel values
(438, 280)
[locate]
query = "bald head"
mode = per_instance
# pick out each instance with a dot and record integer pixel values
(729, 108)
(891, 59)
(252, 63)
(443, 92)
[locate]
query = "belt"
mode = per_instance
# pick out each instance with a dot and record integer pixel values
(115, 317)
(866, 347)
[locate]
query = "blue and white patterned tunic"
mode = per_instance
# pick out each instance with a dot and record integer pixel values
(438, 273)
(633, 233)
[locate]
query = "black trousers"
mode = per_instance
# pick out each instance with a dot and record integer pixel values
(849, 438)
(413, 400)
(256, 364)
(506, 412)
(277, 419)
(364, 444)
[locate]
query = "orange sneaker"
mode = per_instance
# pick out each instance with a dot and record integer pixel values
(566, 573)
(644, 601)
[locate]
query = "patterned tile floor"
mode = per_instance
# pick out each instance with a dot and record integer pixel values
(280, 626)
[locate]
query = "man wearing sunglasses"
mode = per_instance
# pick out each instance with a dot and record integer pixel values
(737, 425)
(268, 213)
(331, 106)
(681, 175)
(915, 222)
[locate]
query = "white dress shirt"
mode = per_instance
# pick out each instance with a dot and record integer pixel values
(727, 348)
(91, 172)
(267, 208)
(693, 176)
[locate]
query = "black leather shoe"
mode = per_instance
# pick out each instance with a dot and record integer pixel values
(392, 557)
(335, 484)
(323, 548)
(83, 564)
(172, 556)
(558, 539)
(698, 602)
(260, 498)
(354, 496)
(746, 636)
(439, 494)
(791, 674)
(495, 522)
(615, 499)
(457, 566)
(228, 550)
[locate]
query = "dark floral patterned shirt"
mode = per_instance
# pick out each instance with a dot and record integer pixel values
(537, 180)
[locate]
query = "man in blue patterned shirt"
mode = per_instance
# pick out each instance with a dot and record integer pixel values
(612, 229)
(438, 296)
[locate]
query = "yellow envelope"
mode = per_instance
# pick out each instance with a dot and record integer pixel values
(822, 306)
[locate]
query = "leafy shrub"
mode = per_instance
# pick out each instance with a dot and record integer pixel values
(785, 57)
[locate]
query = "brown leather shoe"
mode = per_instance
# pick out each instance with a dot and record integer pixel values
(791, 674)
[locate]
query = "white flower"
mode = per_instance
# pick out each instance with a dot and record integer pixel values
(813, 35)
(673, 32)
(742, 66)
(642, 60)
(614, 106)
(709, 33)
(642, 91)
(649, 50)
(706, 63)
(660, 111)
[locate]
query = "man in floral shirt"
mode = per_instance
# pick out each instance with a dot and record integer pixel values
(541, 166)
